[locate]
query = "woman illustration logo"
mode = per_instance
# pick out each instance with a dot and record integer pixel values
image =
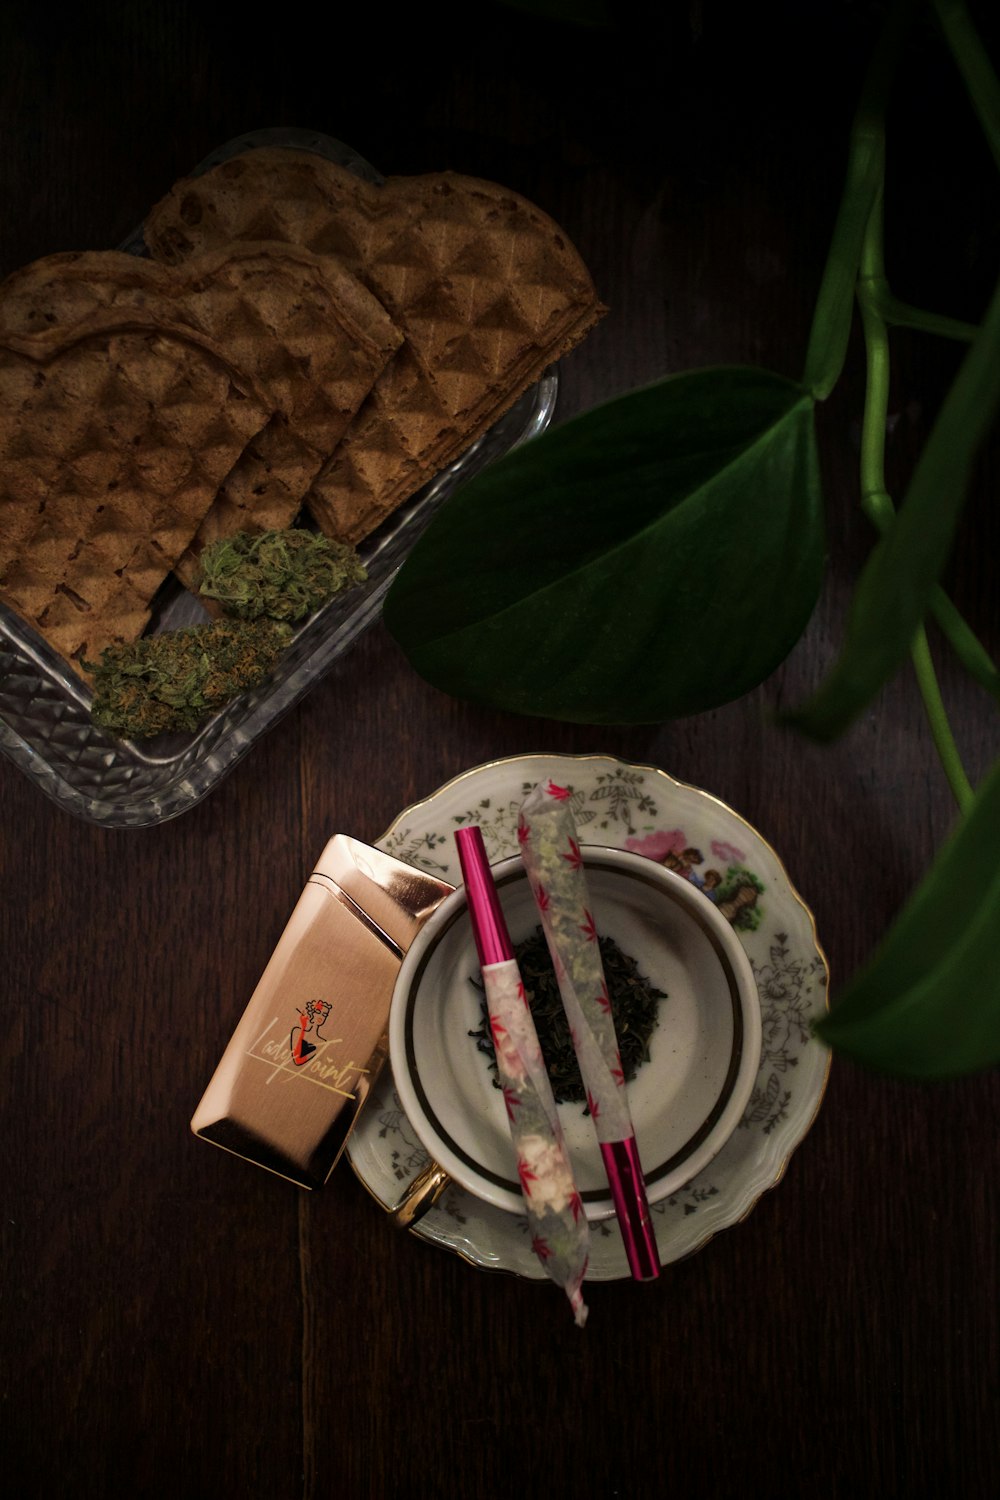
(312, 1018)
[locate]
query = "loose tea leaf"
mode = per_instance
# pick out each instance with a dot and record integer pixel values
(175, 679)
(283, 575)
(634, 1009)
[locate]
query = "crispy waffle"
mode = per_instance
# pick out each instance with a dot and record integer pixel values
(302, 326)
(114, 445)
(484, 286)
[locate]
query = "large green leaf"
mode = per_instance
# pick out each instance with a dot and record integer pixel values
(655, 557)
(927, 1005)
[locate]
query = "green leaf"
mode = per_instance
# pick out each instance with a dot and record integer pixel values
(655, 557)
(927, 1004)
(833, 315)
(898, 581)
(975, 67)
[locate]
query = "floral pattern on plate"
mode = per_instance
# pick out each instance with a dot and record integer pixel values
(643, 809)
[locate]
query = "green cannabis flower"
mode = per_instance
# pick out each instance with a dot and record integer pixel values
(284, 575)
(175, 679)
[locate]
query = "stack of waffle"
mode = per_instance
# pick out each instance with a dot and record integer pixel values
(300, 338)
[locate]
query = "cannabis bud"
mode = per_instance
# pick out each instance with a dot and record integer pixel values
(283, 575)
(174, 680)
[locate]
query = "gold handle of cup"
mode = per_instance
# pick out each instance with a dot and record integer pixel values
(420, 1195)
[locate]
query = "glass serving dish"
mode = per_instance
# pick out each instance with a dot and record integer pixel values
(45, 726)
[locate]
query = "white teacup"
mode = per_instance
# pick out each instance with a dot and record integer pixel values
(685, 1101)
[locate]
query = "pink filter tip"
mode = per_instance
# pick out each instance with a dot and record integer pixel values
(493, 942)
(628, 1193)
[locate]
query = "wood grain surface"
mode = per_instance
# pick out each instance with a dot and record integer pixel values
(176, 1323)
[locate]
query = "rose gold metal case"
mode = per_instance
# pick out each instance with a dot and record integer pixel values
(309, 1046)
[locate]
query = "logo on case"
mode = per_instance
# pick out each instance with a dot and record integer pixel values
(312, 1017)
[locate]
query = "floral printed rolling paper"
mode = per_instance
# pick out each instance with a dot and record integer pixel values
(560, 1236)
(551, 854)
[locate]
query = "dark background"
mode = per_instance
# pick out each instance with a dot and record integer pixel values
(176, 1323)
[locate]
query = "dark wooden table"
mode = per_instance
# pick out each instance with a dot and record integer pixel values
(177, 1323)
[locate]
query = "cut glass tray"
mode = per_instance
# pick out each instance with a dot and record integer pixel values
(45, 726)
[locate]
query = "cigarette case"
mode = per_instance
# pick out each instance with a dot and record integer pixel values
(309, 1046)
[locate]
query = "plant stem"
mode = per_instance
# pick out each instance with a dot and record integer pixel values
(831, 325)
(873, 428)
(957, 631)
(873, 298)
(965, 643)
(903, 315)
(875, 498)
(937, 718)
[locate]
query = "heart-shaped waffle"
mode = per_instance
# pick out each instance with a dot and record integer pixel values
(301, 325)
(113, 447)
(485, 287)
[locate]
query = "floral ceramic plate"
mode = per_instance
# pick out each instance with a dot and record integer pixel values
(640, 808)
